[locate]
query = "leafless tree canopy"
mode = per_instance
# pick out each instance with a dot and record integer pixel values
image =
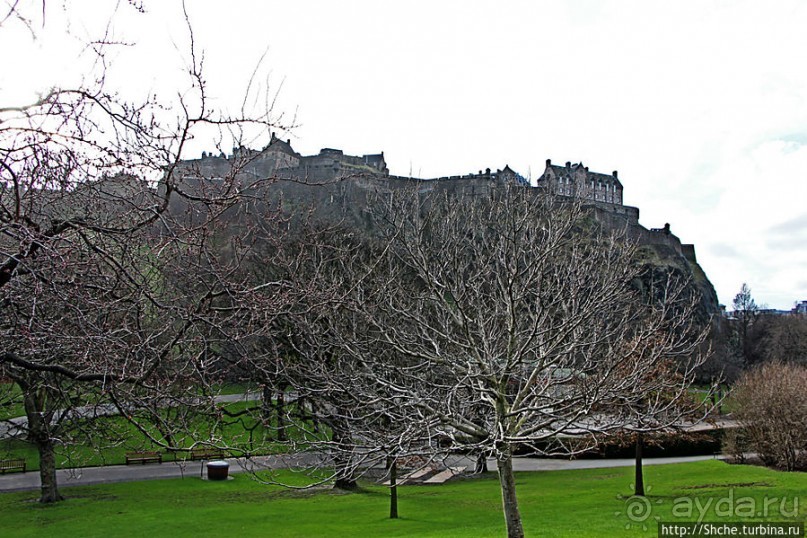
(491, 324)
(114, 275)
(773, 412)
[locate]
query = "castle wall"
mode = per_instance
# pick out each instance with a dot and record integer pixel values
(353, 176)
(689, 253)
(627, 218)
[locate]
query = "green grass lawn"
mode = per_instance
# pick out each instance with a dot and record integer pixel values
(244, 433)
(11, 405)
(10, 401)
(559, 504)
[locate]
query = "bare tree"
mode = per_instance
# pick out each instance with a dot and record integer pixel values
(75, 325)
(110, 279)
(773, 412)
(779, 338)
(334, 429)
(507, 323)
(746, 313)
(668, 406)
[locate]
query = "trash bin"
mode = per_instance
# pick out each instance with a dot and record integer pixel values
(217, 470)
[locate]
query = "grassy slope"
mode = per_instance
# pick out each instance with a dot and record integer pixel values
(10, 401)
(11, 405)
(561, 504)
(102, 452)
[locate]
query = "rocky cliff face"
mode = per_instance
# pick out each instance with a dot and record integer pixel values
(347, 201)
(662, 253)
(340, 187)
(346, 197)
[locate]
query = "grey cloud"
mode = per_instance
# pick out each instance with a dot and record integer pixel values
(790, 234)
(783, 242)
(797, 224)
(724, 250)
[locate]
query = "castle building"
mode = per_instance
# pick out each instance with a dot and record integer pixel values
(576, 180)
(344, 176)
(279, 159)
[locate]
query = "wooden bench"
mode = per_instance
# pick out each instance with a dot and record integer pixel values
(143, 457)
(12, 465)
(206, 454)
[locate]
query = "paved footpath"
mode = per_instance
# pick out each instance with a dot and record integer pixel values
(546, 464)
(195, 470)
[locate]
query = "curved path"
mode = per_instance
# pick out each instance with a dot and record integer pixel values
(195, 470)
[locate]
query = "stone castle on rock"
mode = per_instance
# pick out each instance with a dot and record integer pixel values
(347, 179)
(339, 184)
(279, 161)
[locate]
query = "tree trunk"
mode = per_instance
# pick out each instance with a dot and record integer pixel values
(393, 489)
(638, 488)
(39, 433)
(481, 464)
(49, 491)
(512, 517)
(342, 456)
(266, 403)
(280, 409)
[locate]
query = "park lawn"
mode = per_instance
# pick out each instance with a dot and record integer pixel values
(97, 451)
(557, 504)
(11, 405)
(10, 401)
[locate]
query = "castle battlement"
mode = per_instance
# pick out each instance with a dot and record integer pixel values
(340, 184)
(279, 160)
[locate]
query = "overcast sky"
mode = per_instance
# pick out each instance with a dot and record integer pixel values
(700, 105)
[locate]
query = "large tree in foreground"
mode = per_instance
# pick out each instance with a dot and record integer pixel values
(509, 323)
(110, 285)
(331, 423)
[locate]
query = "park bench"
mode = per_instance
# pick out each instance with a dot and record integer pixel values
(143, 457)
(12, 465)
(206, 454)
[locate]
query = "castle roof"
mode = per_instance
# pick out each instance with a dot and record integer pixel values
(374, 158)
(509, 173)
(278, 145)
(575, 169)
